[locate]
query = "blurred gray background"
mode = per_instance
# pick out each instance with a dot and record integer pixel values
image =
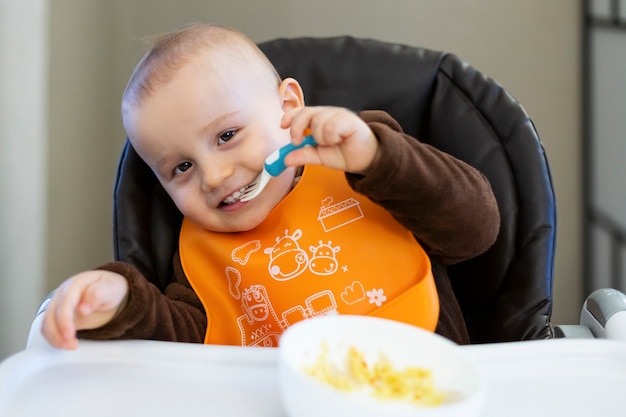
(64, 64)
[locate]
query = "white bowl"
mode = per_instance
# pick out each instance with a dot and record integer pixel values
(404, 345)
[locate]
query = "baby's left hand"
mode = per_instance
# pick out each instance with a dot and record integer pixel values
(344, 140)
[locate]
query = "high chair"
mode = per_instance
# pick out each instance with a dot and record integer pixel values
(506, 293)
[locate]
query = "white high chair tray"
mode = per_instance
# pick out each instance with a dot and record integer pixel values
(142, 378)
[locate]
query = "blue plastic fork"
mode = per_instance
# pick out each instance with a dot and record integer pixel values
(274, 165)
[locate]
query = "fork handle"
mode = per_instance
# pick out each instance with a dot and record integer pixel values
(275, 163)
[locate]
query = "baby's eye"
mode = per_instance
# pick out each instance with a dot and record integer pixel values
(226, 136)
(182, 168)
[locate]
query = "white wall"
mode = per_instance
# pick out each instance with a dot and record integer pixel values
(532, 47)
(85, 135)
(23, 163)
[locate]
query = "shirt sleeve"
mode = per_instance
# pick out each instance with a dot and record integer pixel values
(447, 204)
(175, 315)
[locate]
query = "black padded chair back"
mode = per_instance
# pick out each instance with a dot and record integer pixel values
(506, 293)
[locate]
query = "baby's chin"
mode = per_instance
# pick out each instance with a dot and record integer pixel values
(239, 222)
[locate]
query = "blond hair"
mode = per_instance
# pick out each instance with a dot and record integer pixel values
(170, 51)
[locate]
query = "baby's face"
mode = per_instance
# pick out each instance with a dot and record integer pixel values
(205, 134)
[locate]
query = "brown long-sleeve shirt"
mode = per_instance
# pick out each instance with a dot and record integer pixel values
(445, 203)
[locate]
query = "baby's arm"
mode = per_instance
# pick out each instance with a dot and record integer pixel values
(87, 300)
(146, 312)
(174, 314)
(446, 203)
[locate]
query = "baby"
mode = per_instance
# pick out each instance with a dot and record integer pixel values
(365, 222)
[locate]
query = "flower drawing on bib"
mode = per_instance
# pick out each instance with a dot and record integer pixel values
(377, 296)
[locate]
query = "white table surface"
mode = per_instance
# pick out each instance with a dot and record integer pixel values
(564, 377)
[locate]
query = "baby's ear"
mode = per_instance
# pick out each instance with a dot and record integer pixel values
(291, 94)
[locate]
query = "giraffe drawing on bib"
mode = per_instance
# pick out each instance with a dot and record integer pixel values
(287, 259)
(323, 261)
(259, 325)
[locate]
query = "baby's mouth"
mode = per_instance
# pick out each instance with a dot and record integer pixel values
(233, 198)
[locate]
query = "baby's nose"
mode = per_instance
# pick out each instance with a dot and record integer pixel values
(213, 175)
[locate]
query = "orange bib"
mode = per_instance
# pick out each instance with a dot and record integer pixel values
(324, 249)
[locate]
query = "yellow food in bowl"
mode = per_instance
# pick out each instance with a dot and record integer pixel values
(380, 379)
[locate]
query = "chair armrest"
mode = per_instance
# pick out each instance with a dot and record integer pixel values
(603, 316)
(572, 331)
(604, 313)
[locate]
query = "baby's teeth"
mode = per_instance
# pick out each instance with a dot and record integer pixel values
(235, 197)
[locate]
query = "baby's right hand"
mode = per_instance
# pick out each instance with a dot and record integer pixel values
(87, 300)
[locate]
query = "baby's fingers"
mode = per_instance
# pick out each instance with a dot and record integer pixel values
(106, 293)
(297, 121)
(101, 300)
(49, 327)
(329, 125)
(58, 324)
(304, 156)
